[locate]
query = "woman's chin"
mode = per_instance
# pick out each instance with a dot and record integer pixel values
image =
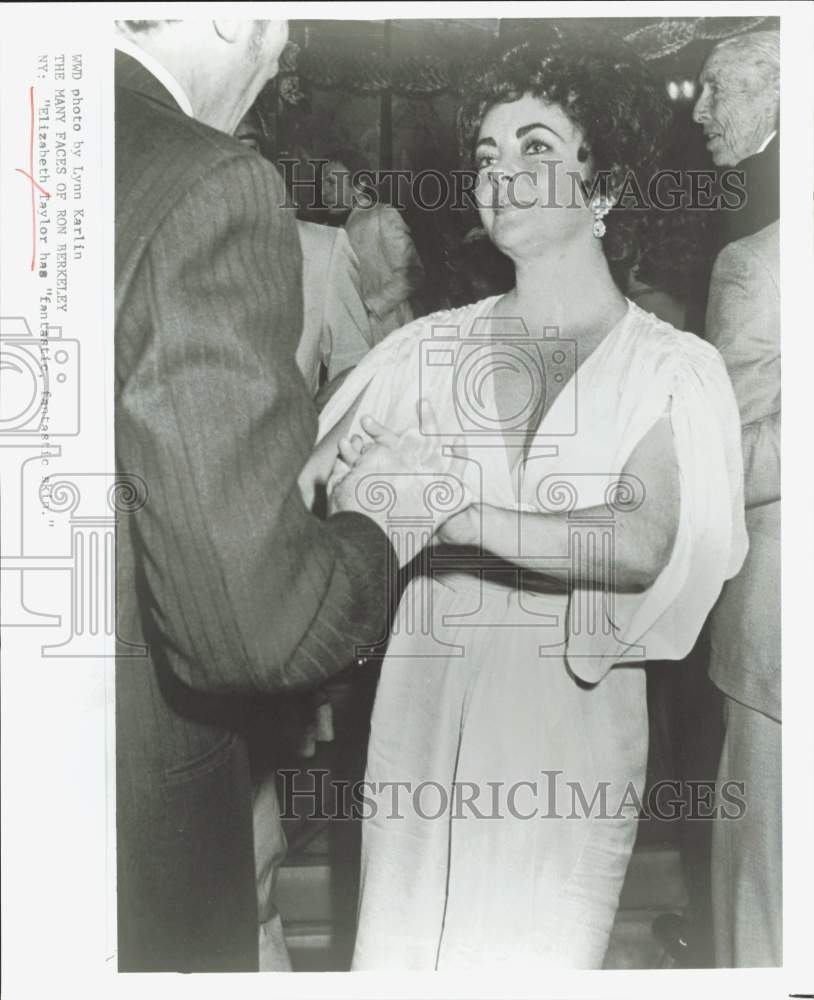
(512, 230)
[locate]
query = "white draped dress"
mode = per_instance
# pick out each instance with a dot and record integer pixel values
(516, 718)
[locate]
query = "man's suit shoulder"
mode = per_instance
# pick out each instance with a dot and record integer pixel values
(162, 154)
(149, 132)
(743, 314)
(760, 250)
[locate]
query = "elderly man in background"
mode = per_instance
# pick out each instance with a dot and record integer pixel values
(738, 107)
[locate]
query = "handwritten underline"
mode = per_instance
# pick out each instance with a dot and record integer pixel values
(39, 187)
(29, 176)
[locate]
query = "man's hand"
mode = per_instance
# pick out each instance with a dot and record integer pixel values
(398, 480)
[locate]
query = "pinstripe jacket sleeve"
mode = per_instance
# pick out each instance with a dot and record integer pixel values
(245, 589)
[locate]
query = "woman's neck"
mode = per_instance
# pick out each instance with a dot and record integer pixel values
(573, 291)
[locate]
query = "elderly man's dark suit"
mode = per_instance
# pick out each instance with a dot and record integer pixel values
(761, 180)
(234, 587)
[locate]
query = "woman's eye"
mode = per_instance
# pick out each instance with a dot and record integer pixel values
(484, 160)
(536, 146)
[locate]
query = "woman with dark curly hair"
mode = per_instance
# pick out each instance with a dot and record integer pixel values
(508, 742)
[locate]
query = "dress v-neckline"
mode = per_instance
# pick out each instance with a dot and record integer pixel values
(516, 472)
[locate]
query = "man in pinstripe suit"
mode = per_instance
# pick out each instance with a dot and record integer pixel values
(226, 578)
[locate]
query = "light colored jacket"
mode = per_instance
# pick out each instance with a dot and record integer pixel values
(335, 327)
(390, 266)
(743, 322)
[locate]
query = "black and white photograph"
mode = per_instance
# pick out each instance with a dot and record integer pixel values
(433, 553)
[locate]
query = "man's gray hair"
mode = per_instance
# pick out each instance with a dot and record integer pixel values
(760, 49)
(140, 27)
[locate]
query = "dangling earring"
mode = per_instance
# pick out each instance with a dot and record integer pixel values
(601, 207)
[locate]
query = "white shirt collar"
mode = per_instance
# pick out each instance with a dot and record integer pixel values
(160, 72)
(768, 140)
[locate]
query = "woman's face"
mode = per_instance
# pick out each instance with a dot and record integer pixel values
(528, 178)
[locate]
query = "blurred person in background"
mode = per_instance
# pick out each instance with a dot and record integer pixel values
(336, 331)
(390, 266)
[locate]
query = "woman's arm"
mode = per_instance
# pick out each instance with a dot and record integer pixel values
(643, 538)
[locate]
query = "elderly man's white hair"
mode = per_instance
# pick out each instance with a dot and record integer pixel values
(139, 27)
(218, 66)
(760, 49)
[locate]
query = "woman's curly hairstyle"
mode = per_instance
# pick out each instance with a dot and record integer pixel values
(607, 92)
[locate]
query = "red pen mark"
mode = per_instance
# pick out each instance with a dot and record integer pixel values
(29, 175)
(39, 187)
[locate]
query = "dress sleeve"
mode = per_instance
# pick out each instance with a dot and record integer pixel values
(663, 622)
(382, 376)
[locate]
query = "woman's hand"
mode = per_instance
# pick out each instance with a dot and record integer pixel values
(318, 469)
(414, 450)
(349, 451)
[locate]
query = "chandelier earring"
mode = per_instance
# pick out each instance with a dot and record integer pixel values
(601, 206)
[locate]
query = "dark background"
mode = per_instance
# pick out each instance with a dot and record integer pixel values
(389, 89)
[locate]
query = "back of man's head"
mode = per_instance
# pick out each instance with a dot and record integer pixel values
(221, 65)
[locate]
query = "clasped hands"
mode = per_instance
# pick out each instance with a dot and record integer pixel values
(408, 465)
